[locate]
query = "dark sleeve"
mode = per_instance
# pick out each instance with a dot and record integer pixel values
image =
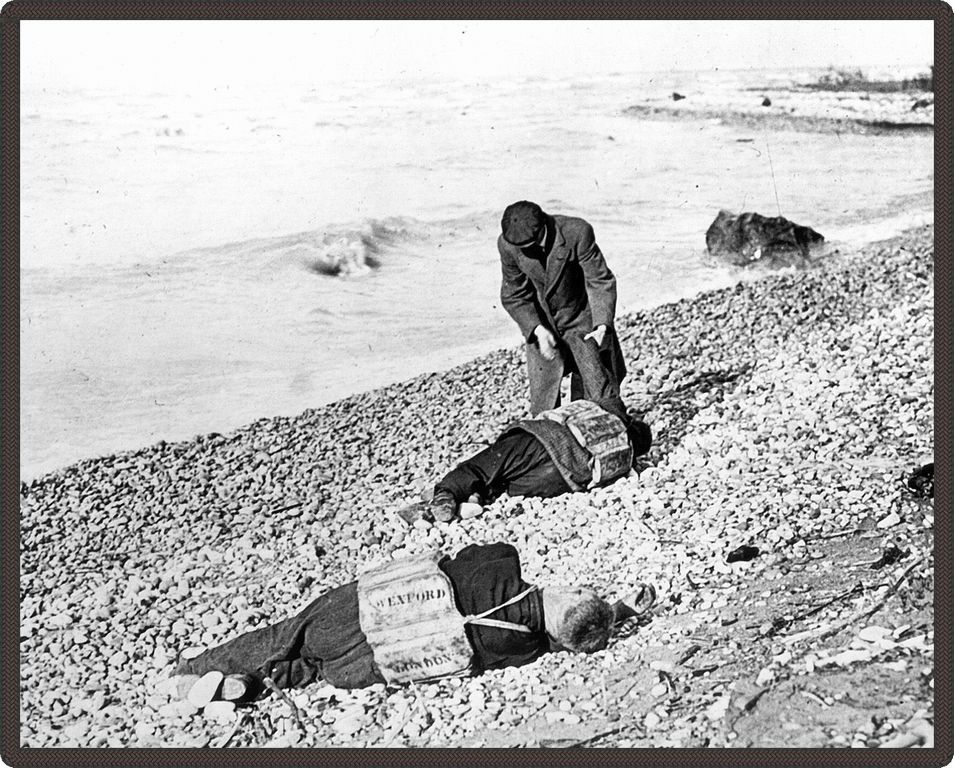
(484, 576)
(517, 293)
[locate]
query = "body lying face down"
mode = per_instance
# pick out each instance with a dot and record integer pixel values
(417, 618)
(575, 447)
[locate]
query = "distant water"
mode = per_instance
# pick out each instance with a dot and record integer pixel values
(194, 261)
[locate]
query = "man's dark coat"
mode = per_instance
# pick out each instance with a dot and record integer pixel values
(571, 296)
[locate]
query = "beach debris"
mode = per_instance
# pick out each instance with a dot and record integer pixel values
(742, 554)
(750, 237)
(921, 481)
(222, 712)
(677, 96)
(890, 520)
(350, 720)
(295, 714)
(178, 686)
(921, 104)
(468, 510)
(766, 102)
(411, 513)
(205, 689)
(889, 556)
(918, 733)
(718, 709)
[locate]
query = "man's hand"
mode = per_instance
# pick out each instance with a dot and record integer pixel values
(635, 604)
(597, 334)
(546, 342)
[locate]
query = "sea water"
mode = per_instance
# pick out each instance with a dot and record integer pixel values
(196, 260)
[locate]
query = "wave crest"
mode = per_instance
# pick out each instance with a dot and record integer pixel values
(351, 251)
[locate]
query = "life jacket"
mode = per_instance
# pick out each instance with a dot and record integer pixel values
(406, 610)
(601, 433)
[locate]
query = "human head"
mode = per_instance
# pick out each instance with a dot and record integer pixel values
(522, 223)
(577, 618)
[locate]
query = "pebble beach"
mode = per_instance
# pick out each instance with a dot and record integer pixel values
(786, 409)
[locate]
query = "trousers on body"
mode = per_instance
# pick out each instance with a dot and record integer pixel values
(517, 464)
(322, 641)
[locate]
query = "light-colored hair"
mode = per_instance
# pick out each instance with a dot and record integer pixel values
(586, 625)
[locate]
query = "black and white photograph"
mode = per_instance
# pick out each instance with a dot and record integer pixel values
(526, 383)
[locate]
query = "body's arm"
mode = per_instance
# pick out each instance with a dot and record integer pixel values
(463, 482)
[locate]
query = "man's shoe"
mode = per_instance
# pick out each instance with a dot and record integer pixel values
(443, 507)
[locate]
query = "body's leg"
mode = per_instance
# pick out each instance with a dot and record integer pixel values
(516, 463)
(289, 651)
(543, 480)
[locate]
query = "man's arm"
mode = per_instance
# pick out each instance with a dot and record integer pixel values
(600, 281)
(517, 294)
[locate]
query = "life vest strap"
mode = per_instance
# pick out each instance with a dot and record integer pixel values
(480, 617)
(602, 435)
(499, 624)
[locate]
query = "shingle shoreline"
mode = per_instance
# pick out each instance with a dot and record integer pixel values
(127, 559)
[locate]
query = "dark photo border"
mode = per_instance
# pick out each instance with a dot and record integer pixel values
(22, 10)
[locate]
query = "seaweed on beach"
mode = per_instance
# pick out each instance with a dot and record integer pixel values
(856, 80)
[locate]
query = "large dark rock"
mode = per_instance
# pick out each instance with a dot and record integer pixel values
(751, 237)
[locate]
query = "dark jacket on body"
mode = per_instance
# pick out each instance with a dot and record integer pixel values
(324, 640)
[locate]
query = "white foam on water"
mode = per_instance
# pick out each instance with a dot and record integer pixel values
(191, 262)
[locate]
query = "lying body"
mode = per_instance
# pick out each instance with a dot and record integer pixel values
(327, 639)
(575, 447)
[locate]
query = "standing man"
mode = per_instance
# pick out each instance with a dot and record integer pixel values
(558, 289)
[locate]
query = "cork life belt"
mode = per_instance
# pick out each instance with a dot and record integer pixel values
(602, 434)
(407, 612)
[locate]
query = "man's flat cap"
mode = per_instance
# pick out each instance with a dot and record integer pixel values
(522, 222)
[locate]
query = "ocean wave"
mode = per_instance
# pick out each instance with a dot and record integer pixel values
(347, 250)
